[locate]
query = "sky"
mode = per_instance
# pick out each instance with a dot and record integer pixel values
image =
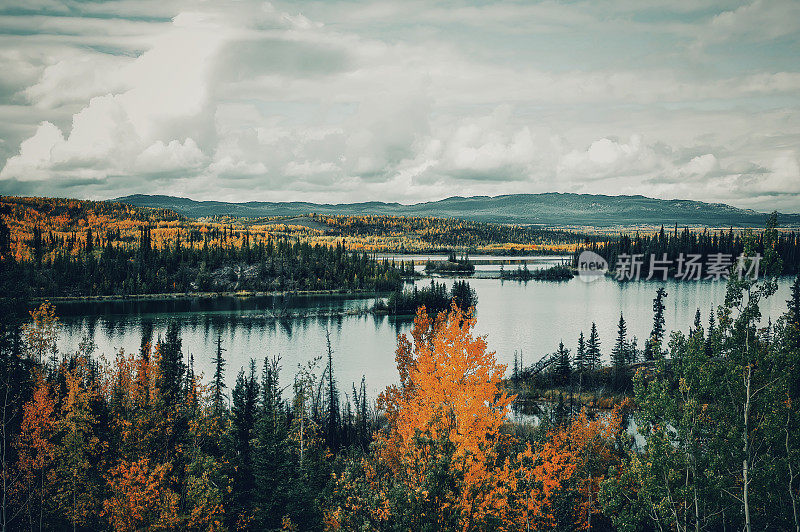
(401, 100)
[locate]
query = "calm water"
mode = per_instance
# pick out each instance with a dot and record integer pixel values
(534, 262)
(530, 318)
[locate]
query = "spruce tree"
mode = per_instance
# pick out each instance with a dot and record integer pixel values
(272, 458)
(620, 354)
(712, 333)
(332, 428)
(697, 323)
(563, 367)
(793, 316)
(580, 361)
(244, 412)
(219, 378)
(172, 367)
(653, 344)
(794, 301)
(593, 349)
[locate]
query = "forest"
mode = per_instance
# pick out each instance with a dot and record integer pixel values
(676, 431)
(552, 273)
(704, 243)
(435, 298)
(68, 226)
(140, 441)
(123, 251)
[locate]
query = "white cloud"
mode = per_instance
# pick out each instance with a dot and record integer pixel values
(400, 100)
(35, 154)
(160, 157)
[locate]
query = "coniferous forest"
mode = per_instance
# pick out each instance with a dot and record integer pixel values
(688, 430)
(668, 245)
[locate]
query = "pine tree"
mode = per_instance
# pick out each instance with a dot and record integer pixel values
(653, 345)
(244, 411)
(580, 361)
(172, 367)
(332, 422)
(712, 334)
(620, 354)
(89, 241)
(218, 383)
(563, 367)
(515, 373)
(794, 302)
(271, 448)
(698, 325)
(593, 349)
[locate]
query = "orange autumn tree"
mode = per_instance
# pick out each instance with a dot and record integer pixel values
(139, 491)
(37, 453)
(443, 442)
(444, 461)
(568, 464)
(151, 487)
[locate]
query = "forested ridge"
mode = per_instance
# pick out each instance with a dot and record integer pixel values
(68, 225)
(550, 208)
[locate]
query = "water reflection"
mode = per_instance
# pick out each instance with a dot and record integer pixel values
(530, 318)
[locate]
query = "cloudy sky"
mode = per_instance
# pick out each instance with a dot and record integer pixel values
(401, 100)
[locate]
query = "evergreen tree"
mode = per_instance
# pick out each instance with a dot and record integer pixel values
(794, 301)
(698, 325)
(620, 354)
(580, 361)
(272, 460)
(593, 349)
(89, 241)
(653, 345)
(173, 368)
(463, 295)
(793, 304)
(332, 422)
(712, 334)
(171, 383)
(563, 366)
(243, 423)
(218, 384)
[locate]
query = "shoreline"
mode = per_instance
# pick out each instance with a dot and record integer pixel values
(184, 296)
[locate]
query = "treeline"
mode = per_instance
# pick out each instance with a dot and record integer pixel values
(704, 244)
(435, 298)
(444, 234)
(70, 225)
(102, 268)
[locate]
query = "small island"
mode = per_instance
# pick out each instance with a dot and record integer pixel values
(435, 298)
(554, 273)
(451, 266)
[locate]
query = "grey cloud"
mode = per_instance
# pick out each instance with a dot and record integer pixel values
(399, 100)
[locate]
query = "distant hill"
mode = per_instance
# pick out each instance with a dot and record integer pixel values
(549, 208)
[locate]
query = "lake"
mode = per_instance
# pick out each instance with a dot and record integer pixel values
(530, 318)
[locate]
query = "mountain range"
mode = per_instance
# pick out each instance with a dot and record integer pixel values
(552, 209)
